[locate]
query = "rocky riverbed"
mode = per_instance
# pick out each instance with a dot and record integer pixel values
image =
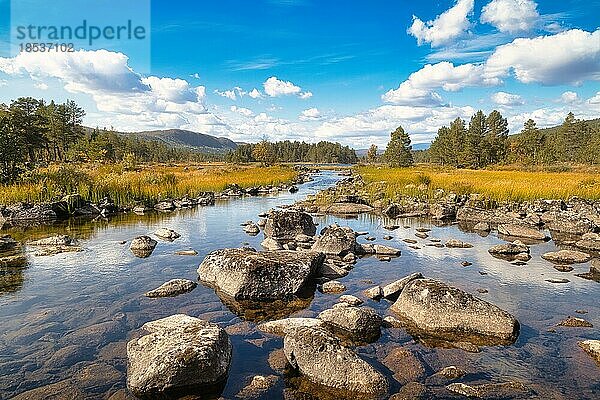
(313, 306)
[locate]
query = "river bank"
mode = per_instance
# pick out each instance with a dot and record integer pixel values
(58, 193)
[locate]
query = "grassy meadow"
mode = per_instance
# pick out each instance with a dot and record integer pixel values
(145, 183)
(511, 183)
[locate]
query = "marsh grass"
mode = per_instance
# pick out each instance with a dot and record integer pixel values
(146, 184)
(496, 185)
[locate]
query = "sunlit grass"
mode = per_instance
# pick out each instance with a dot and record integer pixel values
(145, 184)
(496, 185)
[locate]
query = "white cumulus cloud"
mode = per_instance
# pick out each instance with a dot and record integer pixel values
(275, 87)
(419, 88)
(241, 110)
(507, 99)
(310, 114)
(446, 27)
(510, 15)
(255, 94)
(569, 97)
(569, 57)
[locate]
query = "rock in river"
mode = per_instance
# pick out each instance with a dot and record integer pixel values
(167, 234)
(179, 353)
(142, 246)
(172, 288)
(444, 311)
(567, 257)
(265, 275)
(523, 231)
(286, 225)
(358, 322)
(321, 358)
(509, 248)
(386, 250)
(458, 244)
(285, 325)
(336, 240)
(393, 289)
(334, 287)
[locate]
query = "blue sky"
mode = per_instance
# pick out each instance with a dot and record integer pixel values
(348, 71)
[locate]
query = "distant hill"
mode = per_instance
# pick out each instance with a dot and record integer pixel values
(180, 138)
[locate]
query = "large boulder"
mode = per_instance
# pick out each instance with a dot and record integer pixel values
(180, 353)
(336, 240)
(509, 248)
(521, 231)
(393, 289)
(447, 312)
(590, 242)
(570, 223)
(286, 325)
(287, 224)
(245, 274)
(357, 322)
(322, 358)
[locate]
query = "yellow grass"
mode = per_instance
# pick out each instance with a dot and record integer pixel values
(146, 183)
(496, 185)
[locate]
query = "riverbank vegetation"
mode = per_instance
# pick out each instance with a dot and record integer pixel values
(140, 184)
(422, 181)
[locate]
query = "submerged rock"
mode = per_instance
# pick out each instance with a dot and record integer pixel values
(167, 234)
(352, 300)
(321, 357)
(251, 229)
(259, 384)
(447, 312)
(265, 275)
(358, 322)
(523, 231)
(574, 322)
(505, 390)
(286, 225)
(57, 240)
(333, 287)
(405, 365)
(567, 257)
(172, 288)
(180, 353)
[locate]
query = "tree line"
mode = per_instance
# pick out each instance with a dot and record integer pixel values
(292, 151)
(485, 141)
(33, 132)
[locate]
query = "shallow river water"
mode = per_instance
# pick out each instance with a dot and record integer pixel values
(67, 318)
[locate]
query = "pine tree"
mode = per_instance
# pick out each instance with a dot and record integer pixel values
(472, 152)
(399, 151)
(372, 154)
(494, 148)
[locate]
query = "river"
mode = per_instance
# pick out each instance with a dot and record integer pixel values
(67, 318)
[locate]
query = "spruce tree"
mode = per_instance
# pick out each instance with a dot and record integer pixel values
(399, 150)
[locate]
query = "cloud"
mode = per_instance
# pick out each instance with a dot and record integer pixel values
(275, 87)
(507, 99)
(195, 75)
(419, 88)
(595, 99)
(446, 27)
(311, 114)
(39, 85)
(569, 97)
(255, 94)
(569, 57)
(230, 94)
(510, 15)
(374, 125)
(174, 90)
(241, 110)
